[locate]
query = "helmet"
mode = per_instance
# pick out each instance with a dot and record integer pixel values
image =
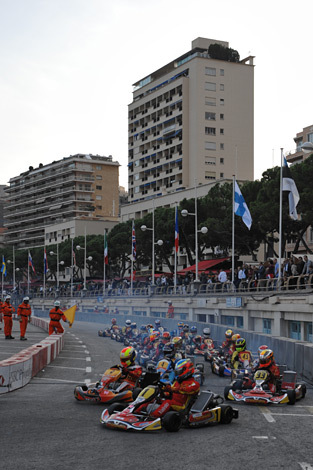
(261, 348)
(198, 339)
(113, 321)
(206, 332)
(266, 358)
(169, 350)
(26, 299)
(128, 356)
(143, 328)
(166, 337)
(7, 297)
(157, 322)
(153, 337)
(186, 328)
(180, 324)
(57, 303)
(193, 329)
(177, 341)
(235, 337)
(128, 323)
(149, 328)
(228, 334)
(184, 369)
(133, 326)
(240, 344)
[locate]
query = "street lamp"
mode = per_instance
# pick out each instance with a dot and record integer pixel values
(59, 263)
(78, 247)
(203, 230)
(307, 147)
(159, 243)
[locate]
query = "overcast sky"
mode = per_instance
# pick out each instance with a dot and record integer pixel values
(67, 69)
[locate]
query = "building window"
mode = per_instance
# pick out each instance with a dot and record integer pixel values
(210, 116)
(210, 86)
(210, 160)
(222, 102)
(222, 131)
(210, 71)
(267, 326)
(221, 86)
(98, 198)
(309, 336)
(99, 208)
(99, 187)
(210, 101)
(221, 175)
(222, 72)
(210, 131)
(227, 320)
(98, 177)
(222, 117)
(222, 161)
(310, 137)
(221, 146)
(295, 330)
(210, 175)
(98, 167)
(239, 322)
(210, 146)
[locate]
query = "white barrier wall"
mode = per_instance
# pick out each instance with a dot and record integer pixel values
(17, 371)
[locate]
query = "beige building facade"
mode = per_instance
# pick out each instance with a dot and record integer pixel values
(191, 122)
(80, 187)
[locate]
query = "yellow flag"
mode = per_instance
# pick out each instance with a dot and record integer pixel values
(70, 314)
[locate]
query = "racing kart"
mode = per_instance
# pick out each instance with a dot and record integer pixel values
(113, 389)
(287, 393)
(206, 409)
(221, 366)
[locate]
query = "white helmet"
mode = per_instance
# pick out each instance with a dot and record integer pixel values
(57, 303)
(7, 297)
(26, 299)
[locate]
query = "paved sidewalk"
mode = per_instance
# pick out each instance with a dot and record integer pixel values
(9, 347)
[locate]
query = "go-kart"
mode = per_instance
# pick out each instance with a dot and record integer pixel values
(288, 391)
(113, 388)
(206, 409)
(221, 366)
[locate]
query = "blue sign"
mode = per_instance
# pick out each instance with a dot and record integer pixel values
(234, 302)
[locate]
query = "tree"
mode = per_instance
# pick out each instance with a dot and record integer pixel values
(217, 51)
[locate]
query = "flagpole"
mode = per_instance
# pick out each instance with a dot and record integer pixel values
(233, 237)
(72, 265)
(104, 242)
(28, 274)
(44, 271)
(175, 270)
(280, 214)
(132, 261)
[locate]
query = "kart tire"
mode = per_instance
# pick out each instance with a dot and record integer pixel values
(226, 414)
(226, 391)
(115, 407)
(238, 385)
(172, 421)
(302, 387)
(136, 392)
(291, 396)
(221, 371)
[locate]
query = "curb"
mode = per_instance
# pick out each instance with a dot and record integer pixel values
(18, 370)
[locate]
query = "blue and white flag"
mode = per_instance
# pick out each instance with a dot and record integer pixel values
(241, 208)
(290, 186)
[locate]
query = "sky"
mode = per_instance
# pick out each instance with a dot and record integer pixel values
(67, 69)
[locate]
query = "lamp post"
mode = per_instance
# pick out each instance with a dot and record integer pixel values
(203, 230)
(159, 243)
(89, 258)
(59, 263)
(307, 147)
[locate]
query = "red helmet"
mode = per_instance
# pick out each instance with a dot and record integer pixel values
(184, 369)
(266, 358)
(166, 337)
(113, 321)
(128, 356)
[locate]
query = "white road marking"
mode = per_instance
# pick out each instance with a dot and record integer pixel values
(88, 359)
(305, 466)
(87, 381)
(291, 414)
(80, 358)
(262, 437)
(72, 368)
(88, 369)
(267, 415)
(58, 380)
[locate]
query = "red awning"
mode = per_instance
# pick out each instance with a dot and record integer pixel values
(203, 265)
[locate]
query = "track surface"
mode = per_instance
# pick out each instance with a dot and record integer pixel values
(43, 427)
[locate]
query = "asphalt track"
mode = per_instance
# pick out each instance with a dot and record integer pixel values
(42, 426)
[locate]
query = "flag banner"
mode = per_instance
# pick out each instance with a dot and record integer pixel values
(106, 252)
(134, 252)
(70, 314)
(290, 185)
(45, 262)
(3, 267)
(30, 262)
(176, 231)
(241, 208)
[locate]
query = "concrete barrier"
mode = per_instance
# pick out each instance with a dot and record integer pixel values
(18, 370)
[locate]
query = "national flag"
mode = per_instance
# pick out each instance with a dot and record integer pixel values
(30, 262)
(241, 208)
(106, 252)
(45, 262)
(290, 185)
(176, 231)
(3, 267)
(70, 314)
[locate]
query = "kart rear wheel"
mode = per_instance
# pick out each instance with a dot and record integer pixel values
(172, 421)
(221, 371)
(238, 385)
(291, 396)
(227, 414)
(116, 407)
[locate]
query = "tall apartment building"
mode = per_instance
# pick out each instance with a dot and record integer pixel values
(297, 155)
(191, 122)
(54, 202)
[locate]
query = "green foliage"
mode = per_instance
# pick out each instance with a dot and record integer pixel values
(217, 51)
